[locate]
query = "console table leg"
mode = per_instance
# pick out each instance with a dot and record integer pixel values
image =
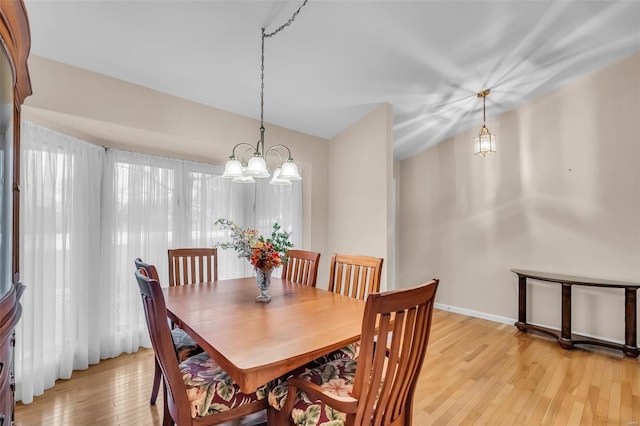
(630, 323)
(565, 335)
(522, 303)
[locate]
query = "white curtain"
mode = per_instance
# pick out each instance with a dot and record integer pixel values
(60, 248)
(86, 213)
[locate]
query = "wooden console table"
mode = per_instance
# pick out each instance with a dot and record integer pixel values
(565, 338)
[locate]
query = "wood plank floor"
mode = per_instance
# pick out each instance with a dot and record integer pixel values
(475, 372)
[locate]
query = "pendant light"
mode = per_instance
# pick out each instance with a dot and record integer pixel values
(485, 142)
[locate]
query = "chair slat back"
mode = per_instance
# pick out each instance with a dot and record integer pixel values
(302, 267)
(150, 270)
(355, 276)
(192, 265)
(385, 382)
(155, 312)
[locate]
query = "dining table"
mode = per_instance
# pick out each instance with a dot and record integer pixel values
(258, 342)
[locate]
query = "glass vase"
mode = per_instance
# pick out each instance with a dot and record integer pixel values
(263, 281)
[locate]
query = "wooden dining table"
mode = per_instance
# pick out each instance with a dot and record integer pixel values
(258, 342)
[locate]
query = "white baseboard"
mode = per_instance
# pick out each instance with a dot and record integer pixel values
(475, 314)
(510, 321)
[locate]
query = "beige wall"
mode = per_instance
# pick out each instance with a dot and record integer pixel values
(562, 194)
(360, 188)
(113, 113)
(355, 168)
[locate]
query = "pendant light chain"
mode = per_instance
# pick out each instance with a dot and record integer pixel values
(484, 109)
(267, 35)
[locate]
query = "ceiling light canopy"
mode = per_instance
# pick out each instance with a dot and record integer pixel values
(485, 142)
(242, 171)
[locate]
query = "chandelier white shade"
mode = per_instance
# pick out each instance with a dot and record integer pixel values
(277, 180)
(243, 179)
(242, 171)
(289, 171)
(485, 142)
(233, 169)
(257, 167)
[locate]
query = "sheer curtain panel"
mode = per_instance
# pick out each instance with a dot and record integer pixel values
(60, 244)
(138, 206)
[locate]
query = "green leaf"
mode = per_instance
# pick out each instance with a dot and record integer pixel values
(225, 391)
(333, 414)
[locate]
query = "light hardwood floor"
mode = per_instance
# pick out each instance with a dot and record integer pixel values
(475, 372)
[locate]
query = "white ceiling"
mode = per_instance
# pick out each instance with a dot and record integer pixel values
(340, 59)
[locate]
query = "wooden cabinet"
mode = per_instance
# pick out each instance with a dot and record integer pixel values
(11, 310)
(15, 86)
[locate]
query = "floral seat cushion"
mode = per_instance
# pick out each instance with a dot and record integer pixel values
(210, 389)
(335, 377)
(185, 345)
(351, 351)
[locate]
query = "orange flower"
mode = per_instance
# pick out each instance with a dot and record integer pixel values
(264, 256)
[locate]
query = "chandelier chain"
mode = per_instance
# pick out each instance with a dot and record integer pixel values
(262, 86)
(267, 35)
(286, 24)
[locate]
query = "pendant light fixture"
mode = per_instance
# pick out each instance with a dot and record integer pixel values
(242, 171)
(485, 142)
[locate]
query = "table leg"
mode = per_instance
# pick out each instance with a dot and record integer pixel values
(630, 323)
(565, 334)
(522, 303)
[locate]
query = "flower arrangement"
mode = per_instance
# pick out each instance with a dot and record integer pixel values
(263, 253)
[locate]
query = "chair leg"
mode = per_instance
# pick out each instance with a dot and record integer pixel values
(166, 417)
(156, 382)
(276, 417)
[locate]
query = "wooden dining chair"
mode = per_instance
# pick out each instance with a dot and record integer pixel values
(355, 276)
(197, 390)
(184, 345)
(372, 390)
(301, 267)
(192, 265)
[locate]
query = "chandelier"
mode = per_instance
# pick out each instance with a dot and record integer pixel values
(485, 142)
(243, 171)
